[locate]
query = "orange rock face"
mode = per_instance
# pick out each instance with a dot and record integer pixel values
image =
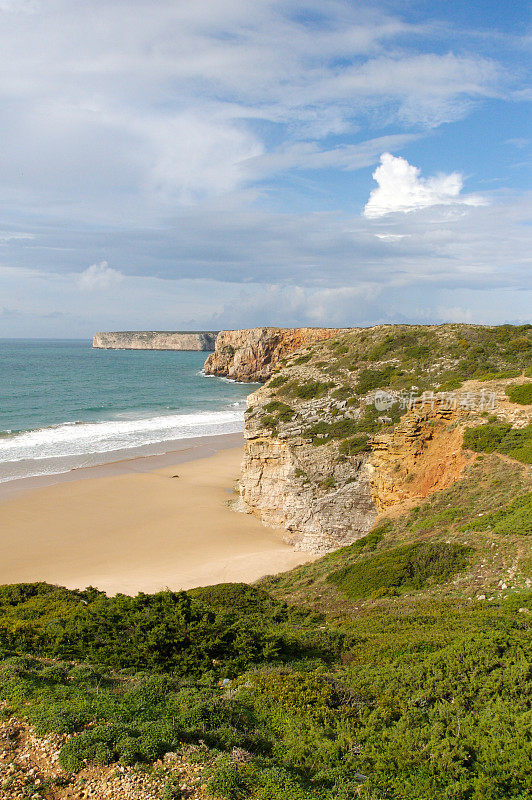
(251, 354)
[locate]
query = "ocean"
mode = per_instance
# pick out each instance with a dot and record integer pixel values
(65, 405)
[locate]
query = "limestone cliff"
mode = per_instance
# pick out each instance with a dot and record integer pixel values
(327, 450)
(252, 354)
(155, 340)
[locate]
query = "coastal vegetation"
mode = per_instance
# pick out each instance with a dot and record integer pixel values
(396, 667)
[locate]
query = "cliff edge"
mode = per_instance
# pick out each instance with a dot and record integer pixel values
(155, 340)
(252, 354)
(374, 419)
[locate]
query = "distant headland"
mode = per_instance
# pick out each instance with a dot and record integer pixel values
(155, 340)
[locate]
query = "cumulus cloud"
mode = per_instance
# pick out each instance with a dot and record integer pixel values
(401, 188)
(99, 276)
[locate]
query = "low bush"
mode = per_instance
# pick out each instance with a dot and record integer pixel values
(276, 382)
(172, 632)
(400, 569)
(501, 438)
(355, 444)
(500, 375)
(311, 390)
(304, 359)
(520, 393)
(369, 379)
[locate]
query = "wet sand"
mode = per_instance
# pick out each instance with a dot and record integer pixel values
(139, 525)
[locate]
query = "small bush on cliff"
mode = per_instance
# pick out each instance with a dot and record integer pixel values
(276, 382)
(401, 569)
(354, 445)
(311, 390)
(520, 393)
(369, 379)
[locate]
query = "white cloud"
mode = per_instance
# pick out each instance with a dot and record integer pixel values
(9, 236)
(99, 276)
(401, 188)
(107, 114)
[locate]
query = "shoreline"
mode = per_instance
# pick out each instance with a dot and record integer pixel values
(140, 525)
(182, 450)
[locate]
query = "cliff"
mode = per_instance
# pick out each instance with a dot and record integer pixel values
(252, 355)
(370, 420)
(155, 340)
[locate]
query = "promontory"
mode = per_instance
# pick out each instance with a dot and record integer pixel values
(155, 340)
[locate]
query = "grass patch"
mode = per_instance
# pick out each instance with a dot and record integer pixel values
(514, 519)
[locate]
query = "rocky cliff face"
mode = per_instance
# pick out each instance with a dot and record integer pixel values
(155, 340)
(252, 355)
(327, 450)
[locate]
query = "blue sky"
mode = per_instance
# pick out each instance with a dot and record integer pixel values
(224, 164)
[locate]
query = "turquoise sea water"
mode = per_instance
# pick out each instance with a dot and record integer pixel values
(65, 405)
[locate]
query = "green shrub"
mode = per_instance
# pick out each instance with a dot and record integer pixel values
(276, 405)
(433, 520)
(323, 432)
(369, 379)
(229, 781)
(501, 438)
(278, 412)
(343, 393)
(354, 445)
(413, 566)
(279, 380)
(171, 632)
(500, 375)
(520, 393)
(311, 390)
(304, 359)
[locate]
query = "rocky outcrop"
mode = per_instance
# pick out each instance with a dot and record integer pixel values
(155, 340)
(252, 354)
(322, 505)
(327, 451)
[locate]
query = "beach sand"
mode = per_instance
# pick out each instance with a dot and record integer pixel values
(139, 525)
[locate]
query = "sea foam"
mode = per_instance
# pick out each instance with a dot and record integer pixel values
(71, 439)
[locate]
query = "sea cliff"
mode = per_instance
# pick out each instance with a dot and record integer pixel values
(155, 340)
(252, 354)
(326, 452)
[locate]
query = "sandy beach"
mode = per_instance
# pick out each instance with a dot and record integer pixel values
(139, 525)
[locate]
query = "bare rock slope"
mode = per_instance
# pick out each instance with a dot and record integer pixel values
(252, 354)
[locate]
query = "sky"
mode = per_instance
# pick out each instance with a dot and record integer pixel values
(231, 163)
